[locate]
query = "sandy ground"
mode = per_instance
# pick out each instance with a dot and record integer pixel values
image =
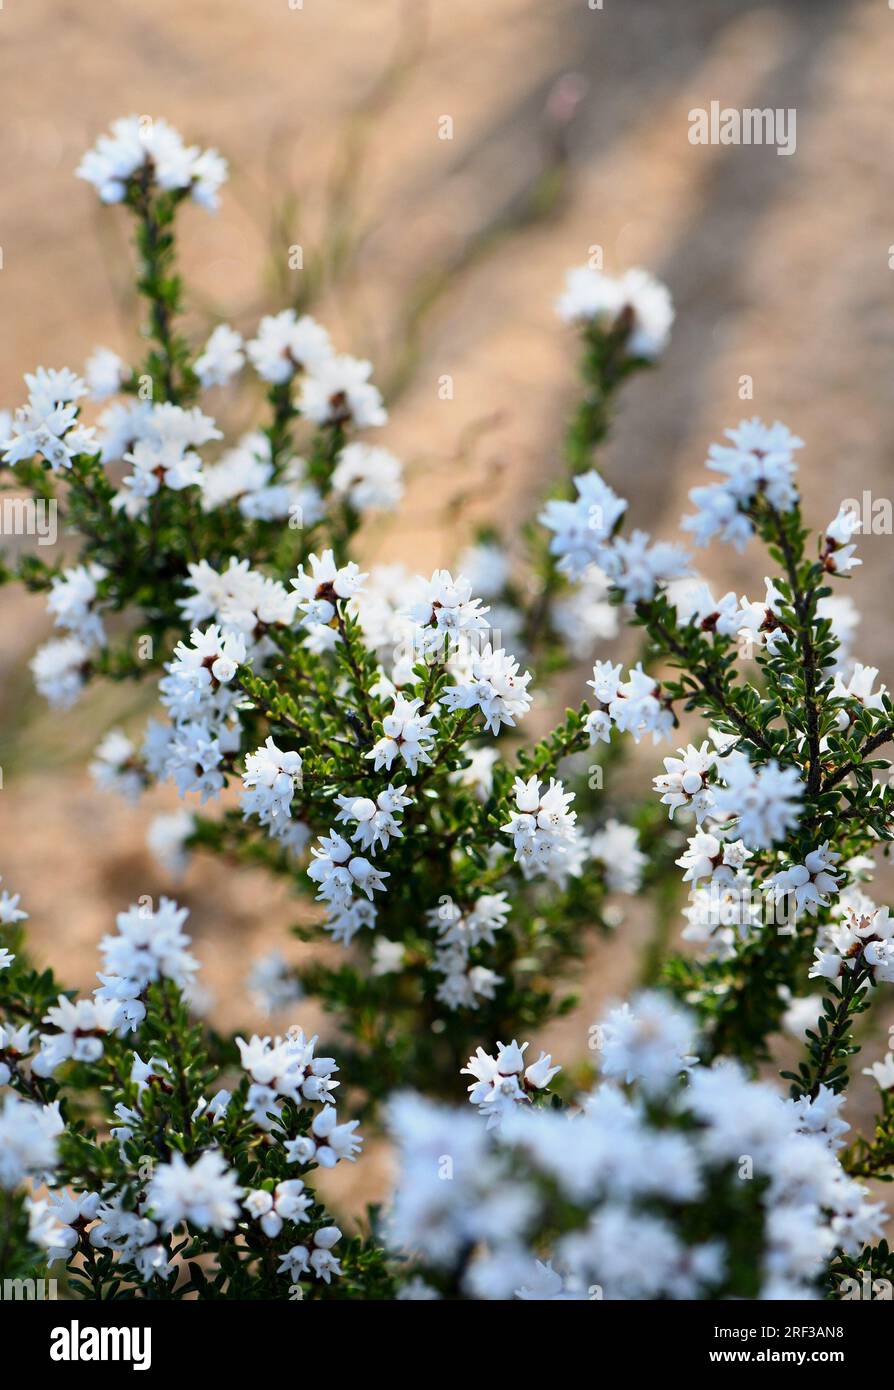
(442, 257)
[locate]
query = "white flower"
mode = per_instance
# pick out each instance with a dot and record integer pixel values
(637, 707)
(287, 1067)
(197, 673)
(206, 1194)
(156, 465)
(582, 528)
(10, 912)
(859, 687)
(287, 344)
(820, 1115)
(192, 758)
(73, 602)
(405, 734)
(863, 937)
(116, 767)
(765, 800)
(685, 783)
(48, 424)
(591, 296)
(272, 983)
(336, 391)
(838, 553)
(339, 872)
(287, 1202)
(105, 373)
(446, 616)
(52, 1223)
(544, 831)
(15, 1043)
(470, 926)
(709, 856)
(882, 1072)
(166, 840)
(60, 668)
(143, 142)
(80, 1029)
(463, 986)
(150, 945)
(650, 1043)
(368, 478)
(758, 460)
(320, 590)
(28, 1134)
(374, 821)
(239, 598)
(810, 882)
(637, 566)
(616, 847)
(387, 956)
(494, 686)
(504, 1081)
(271, 778)
(221, 358)
(347, 919)
(333, 1141)
(322, 1261)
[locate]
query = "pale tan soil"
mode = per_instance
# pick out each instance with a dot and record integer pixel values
(779, 268)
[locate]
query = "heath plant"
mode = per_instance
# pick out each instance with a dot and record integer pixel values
(360, 731)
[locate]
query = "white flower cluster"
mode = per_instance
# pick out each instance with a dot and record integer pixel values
(838, 550)
(756, 624)
(148, 147)
(405, 735)
(319, 591)
(150, 945)
(494, 686)
(28, 1134)
(341, 874)
(505, 1081)
(286, 1069)
(863, 937)
(634, 706)
(808, 886)
(616, 848)
(460, 930)
(759, 461)
(544, 830)
(584, 537)
(593, 297)
(335, 390)
(75, 603)
(162, 454)
(199, 690)
(731, 796)
(246, 477)
(764, 801)
(634, 1182)
(48, 423)
(272, 777)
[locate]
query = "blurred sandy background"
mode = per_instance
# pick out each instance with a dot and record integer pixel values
(440, 257)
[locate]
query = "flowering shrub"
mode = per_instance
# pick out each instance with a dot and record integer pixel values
(359, 732)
